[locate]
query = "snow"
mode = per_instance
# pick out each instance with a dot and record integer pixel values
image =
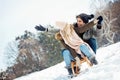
(107, 69)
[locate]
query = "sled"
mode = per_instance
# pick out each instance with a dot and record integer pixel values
(76, 68)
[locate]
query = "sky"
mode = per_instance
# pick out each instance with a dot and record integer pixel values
(108, 68)
(16, 16)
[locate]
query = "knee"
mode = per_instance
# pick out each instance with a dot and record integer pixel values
(65, 52)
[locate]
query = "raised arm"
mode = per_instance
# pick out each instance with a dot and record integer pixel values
(89, 25)
(86, 26)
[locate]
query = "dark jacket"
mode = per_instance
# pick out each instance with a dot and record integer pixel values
(91, 33)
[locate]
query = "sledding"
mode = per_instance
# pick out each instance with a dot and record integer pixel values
(77, 49)
(78, 41)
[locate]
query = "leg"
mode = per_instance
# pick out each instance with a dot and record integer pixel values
(85, 49)
(67, 58)
(93, 44)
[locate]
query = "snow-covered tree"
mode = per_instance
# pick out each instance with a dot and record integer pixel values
(110, 10)
(11, 53)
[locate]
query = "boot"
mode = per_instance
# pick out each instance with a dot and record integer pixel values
(70, 72)
(93, 60)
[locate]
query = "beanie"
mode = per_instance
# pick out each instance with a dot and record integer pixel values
(85, 17)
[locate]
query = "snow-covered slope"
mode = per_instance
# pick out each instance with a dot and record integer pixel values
(107, 69)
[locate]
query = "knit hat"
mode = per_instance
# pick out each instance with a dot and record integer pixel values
(85, 17)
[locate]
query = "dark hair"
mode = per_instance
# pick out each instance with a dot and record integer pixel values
(85, 17)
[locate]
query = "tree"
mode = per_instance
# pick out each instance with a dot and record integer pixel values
(29, 53)
(11, 53)
(51, 46)
(110, 10)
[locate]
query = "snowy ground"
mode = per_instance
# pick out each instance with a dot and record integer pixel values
(107, 69)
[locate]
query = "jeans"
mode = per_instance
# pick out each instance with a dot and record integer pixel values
(93, 44)
(86, 50)
(68, 57)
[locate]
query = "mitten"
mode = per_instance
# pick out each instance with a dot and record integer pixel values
(100, 19)
(41, 28)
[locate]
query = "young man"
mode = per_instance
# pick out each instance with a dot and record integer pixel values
(69, 53)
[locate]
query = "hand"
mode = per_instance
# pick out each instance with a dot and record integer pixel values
(40, 28)
(100, 19)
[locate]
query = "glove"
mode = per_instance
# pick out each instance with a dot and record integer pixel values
(41, 28)
(100, 19)
(77, 61)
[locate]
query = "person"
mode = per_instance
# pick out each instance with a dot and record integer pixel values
(71, 52)
(89, 35)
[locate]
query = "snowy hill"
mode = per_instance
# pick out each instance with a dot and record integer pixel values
(107, 69)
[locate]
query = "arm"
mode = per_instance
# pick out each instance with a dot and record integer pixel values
(86, 26)
(96, 32)
(89, 25)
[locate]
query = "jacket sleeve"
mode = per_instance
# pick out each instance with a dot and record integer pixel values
(85, 27)
(96, 32)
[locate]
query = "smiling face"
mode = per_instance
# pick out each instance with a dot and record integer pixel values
(80, 22)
